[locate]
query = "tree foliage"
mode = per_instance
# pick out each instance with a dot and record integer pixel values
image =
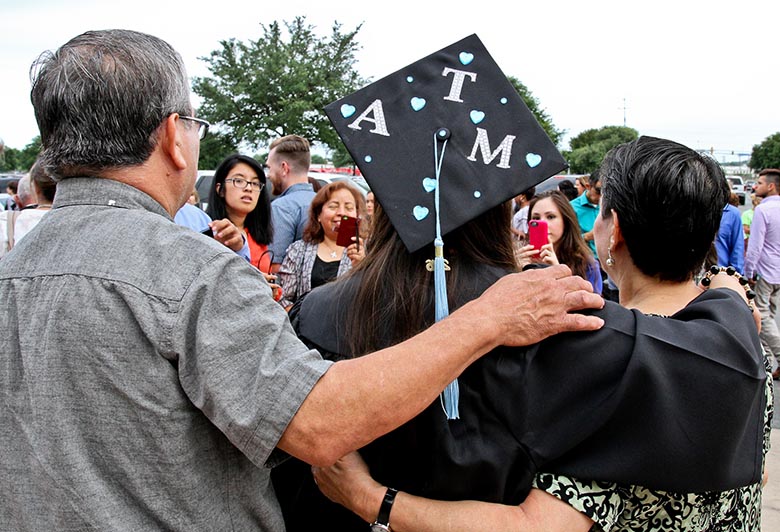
(215, 147)
(766, 154)
(13, 160)
(588, 149)
(279, 84)
(541, 115)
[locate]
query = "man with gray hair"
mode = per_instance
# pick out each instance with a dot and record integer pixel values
(148, 378)
(24, 196)
(23, 199)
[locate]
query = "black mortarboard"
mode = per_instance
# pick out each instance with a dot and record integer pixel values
(440, 142)
(494, 148)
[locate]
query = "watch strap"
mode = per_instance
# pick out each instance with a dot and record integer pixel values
(383, 517)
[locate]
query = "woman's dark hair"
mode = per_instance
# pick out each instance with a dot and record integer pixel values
(313, 232)
(567, 188)
(571, 248)
(669, 200)
(396, 291)
(258, 222)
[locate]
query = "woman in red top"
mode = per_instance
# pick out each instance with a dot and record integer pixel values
(239, 194)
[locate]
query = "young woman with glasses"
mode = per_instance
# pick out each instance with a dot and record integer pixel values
(238, 193)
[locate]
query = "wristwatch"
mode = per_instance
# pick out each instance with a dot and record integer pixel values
(382, 522)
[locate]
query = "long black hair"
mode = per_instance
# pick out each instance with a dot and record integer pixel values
(393, 301)
(571, 248)
(258, 222)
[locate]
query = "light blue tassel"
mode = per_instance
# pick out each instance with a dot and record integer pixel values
(451, 394)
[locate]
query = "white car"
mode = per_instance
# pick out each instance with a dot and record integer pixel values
(737, 187)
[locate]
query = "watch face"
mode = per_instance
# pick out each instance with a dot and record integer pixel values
(378, 527)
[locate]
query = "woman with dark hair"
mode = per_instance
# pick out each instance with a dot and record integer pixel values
(317, 258)
(676, 377)
(567, 188)
(239, 193)
(566, 245)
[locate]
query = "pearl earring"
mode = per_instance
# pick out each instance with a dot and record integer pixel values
(610, 261)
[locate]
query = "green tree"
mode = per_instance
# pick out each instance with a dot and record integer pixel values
(279, 84)
(541, 115)
(588, 149)
(9, 159)
(215, 147)
(766, 154)
(341, 157)
(13, 160)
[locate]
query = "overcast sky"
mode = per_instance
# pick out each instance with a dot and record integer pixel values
(702, 73)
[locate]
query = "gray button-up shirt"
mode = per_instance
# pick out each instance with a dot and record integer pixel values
(146, 373)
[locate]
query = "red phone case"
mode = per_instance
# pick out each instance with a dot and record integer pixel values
(537, 233)
(347, 229)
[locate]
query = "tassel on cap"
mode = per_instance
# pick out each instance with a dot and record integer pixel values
(451, 394)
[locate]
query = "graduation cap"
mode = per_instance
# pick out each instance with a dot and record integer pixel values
(440, 142)
(450, 122)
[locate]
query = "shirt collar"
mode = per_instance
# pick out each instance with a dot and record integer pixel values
(100, 191)
(296, 187)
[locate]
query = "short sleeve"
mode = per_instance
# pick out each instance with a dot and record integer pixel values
(239, 360)
(601, 501)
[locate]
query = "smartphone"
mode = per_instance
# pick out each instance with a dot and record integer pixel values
(347, 229)
(537, 233)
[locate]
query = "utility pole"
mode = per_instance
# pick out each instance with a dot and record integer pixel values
(624, 111)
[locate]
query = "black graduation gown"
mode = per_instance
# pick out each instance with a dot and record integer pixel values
(668, 403)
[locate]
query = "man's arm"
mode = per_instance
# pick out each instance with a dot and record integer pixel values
(349, 483)
(360, 399)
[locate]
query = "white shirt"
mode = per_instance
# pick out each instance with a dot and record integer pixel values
(25, 221)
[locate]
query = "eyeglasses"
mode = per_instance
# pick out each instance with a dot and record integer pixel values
(203, 126)
(597, 189)
(242, 183)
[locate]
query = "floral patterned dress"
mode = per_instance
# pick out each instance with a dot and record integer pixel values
(617, 508)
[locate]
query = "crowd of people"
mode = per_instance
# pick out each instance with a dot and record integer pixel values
(165, 368)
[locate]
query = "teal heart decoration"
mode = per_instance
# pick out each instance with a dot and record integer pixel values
(420, 212)
(418, 103)
(477, 116)
(533, 159)
(465, 58)
(429, 184)
(347, 110)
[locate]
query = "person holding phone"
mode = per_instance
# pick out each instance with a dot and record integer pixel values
(239, 195)
(561, 242)
(325, 251)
